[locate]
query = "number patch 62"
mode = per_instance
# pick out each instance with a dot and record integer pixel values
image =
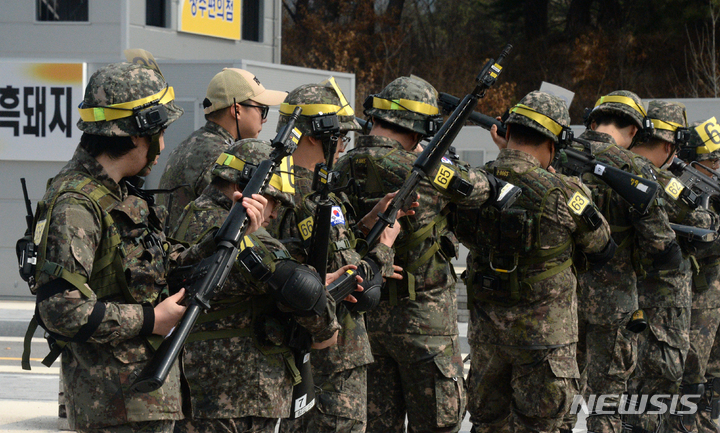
(674, 188)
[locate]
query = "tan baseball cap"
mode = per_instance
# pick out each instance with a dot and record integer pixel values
(241, 85)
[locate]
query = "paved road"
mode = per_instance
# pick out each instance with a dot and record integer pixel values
(28, 399)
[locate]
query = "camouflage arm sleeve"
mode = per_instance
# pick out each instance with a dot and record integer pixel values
(476, 177)
(74, 236)
(652, 230)
(587, 239)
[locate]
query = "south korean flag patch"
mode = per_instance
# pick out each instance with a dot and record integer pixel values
(337, 216)
(446, 160)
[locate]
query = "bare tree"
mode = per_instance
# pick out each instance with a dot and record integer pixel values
(701, 62)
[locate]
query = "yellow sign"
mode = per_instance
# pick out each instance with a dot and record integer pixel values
(674, 188)
(578, 203)
(218, 18)
(443, 177)
(709, 132)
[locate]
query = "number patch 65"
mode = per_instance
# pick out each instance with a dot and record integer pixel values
(443, 177)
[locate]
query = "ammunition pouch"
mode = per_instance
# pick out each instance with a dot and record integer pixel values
(506, 283)
(406, 287)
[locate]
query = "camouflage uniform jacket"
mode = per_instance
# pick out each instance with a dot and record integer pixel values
(353, 348)
(379, 165)
(98, 372)
(706, 283)
(613, 288)
(260, 384)
(541, 231)
(191, 164)
(678, 282)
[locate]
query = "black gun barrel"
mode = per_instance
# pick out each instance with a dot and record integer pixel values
(28, 205)
(694, 233)
(449, 102)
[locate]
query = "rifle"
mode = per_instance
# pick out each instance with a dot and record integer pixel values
(323, 182)
(637, 191)
(210, 274)
(25, 247)
(432, 154)
(704, 185)
(327, 128)
(694, 233)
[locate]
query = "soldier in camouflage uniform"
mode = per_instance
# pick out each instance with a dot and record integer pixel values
(665, 294)
(340, 371)
(702, 359)
(418, 368)
(607, 297)
(103, 256)
(236, 106)
(521, 279)
(238, 368)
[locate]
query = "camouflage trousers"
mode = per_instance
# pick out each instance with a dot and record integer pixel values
(607, 356)
(701, 364)
(246, 424)
(662, 350)
(162, 426)
(420, 376)
(512, 389)
(340, 405)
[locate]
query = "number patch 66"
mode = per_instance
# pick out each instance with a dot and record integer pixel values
(306, 227)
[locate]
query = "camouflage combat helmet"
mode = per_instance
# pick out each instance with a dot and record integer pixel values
(238, 163)
(670, 122)
(701, 148)
(622, 103)
(408, 102)
(544, 113)
(123, 99)
(314, 99)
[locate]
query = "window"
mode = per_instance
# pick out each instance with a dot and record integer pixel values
(155, 13)
(62, 10)
(251, 17)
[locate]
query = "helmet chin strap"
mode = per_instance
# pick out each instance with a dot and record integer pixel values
(153, 151)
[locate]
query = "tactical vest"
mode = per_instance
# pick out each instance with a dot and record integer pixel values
(622, 229)
(268, 325)
(113, 257)
(304, 218)
(367, 172)
(507, 245)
